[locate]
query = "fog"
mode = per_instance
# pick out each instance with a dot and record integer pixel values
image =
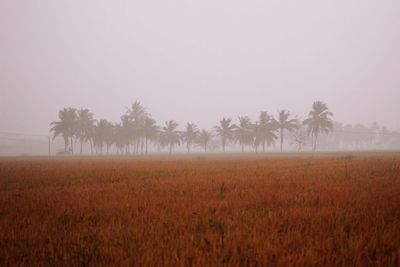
(198, 61)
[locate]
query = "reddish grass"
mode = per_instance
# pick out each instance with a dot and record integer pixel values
(329, 210)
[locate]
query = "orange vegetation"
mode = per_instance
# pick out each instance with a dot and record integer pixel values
(330, 209)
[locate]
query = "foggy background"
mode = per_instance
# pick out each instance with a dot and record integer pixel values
(198, 61)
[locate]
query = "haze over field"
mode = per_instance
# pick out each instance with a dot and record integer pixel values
(198, 61)
(199, 133)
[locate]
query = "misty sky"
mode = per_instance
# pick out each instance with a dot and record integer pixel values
(198, 60)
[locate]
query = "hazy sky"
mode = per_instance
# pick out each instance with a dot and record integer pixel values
(198, 60)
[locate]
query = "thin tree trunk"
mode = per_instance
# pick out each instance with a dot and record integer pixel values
(170, 149)
(65, 144)
(91, 146)
(281, 139)
(312, 141)
(72, 145)
(242, 148)
(81, 145)
(146, 144)
(315, 144)
(263, 147)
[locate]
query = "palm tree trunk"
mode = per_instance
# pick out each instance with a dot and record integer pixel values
(312, 141)
(81, 145)
(72, 145)
(205, 148)
(281, 139)
(315, 142)
(91, 146)
(223, 145)
(170, 149)
(263, 145)
(65, 144)
(146, 144)
(242, 148)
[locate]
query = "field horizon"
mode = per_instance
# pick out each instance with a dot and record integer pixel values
(191, 155)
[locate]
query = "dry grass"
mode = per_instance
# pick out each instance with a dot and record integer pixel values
(331, 209)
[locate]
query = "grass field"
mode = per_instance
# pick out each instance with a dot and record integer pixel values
(304, 210)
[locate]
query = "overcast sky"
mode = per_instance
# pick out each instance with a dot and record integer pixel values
(198, 60)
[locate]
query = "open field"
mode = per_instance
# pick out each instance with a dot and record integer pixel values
(323, 209)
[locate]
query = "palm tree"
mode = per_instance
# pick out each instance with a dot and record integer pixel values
(265, 130)
(169, 135)
(84, 126)
(125, 130)
(97, 140)
(119, 139)
(137, 114)
(104, 134)
(65, 126)
(190, 135)
(318, 121)
(243, 133)
(299, 136)
(204, 139)
(284, 123)
(226, 131)
(136, 111)
(150, 130)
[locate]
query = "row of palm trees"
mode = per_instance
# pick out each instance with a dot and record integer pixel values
(137, 129)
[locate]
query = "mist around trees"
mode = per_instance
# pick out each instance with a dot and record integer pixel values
(137, 132)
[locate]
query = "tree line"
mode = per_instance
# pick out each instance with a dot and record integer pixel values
(137, 129)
